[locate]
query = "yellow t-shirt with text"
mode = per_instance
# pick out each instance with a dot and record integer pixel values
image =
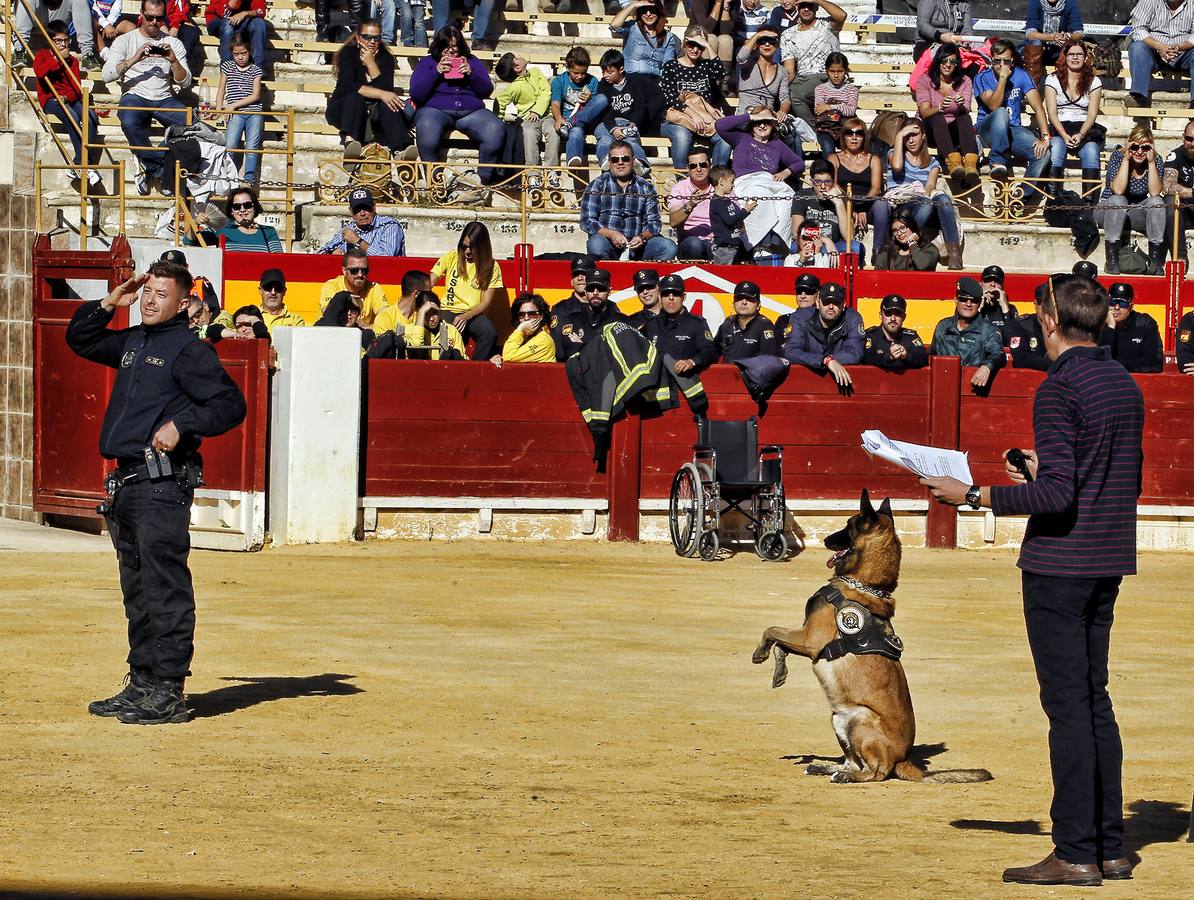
(461, 294)
(375, 299)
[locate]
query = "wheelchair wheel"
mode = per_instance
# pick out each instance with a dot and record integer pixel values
(771, 546)
(685, 511)
(709, 545)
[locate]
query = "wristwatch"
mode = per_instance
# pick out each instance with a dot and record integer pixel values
(974, 497)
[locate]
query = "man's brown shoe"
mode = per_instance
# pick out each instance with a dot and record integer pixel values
(1052, 870)
(1117, 869)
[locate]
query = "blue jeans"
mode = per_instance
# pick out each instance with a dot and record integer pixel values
(657, 249)
(386, 14)
(72, 117)
(682, 139)
(940, 205)
(484, 9)
(412, 20)
(878, 214)
(224, 30)
(481, 125)
(605, 138)
(695, 248)
(1088, 153)
(1004, 140)
(135, 124)
(1143, 60)
(251, 127)
(591, 112)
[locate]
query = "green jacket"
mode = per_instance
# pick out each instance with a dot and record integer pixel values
(978, 345)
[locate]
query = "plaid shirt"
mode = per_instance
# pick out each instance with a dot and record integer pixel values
(630, 212)
(1154, 19)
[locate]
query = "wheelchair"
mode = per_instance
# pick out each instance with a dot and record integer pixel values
(727, 471)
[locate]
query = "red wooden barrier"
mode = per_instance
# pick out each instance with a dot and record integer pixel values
(945, 373)
(236, 461)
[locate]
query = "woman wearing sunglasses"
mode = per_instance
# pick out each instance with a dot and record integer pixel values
(1073, 97)
(912, 175)
(691, 86)
(647, 43)
(762, 81)
(531, 340)
(859, 172)
(1132, 198)
(364, 72)
(242, 233)
(944, 100)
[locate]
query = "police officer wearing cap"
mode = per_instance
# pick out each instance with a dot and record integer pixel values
(996, 309)
(368, 232)
(582, 266)
(1086, 269)
(170, 391)
(827, 337)
(1026, 338)
(890, 345)
(1184, 341)
(646, 285)
(573, 328)
(808, 287)
(747, 333)
(1133, 336)
(679, 334)
(968, 336)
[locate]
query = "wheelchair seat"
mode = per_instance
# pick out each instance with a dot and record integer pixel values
(736, 444)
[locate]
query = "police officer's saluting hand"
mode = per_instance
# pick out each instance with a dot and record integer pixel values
(170, 392)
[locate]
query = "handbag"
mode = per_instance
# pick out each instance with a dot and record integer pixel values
(904, 193)
(887, 124)
(830, 123)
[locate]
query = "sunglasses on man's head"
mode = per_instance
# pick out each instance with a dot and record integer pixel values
(357, 270)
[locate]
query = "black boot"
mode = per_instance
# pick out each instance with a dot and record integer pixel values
(323, 18)
(356, 12)
(165, 705)
(1090, 186)
(137, 686)
(1156, 259)
(1111, 266)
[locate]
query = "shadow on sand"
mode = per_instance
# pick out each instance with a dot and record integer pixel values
(252, 691)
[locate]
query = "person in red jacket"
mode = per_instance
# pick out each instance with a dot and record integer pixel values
(179, 25)
(59, 92)
(226, 17)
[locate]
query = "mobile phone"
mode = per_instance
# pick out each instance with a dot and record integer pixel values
(155, 50)
(456, 67)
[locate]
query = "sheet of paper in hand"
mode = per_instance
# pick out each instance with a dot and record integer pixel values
(928, 462)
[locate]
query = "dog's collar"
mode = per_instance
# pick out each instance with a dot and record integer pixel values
(865, 588)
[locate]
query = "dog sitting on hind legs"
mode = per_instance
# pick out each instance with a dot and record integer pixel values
(855, 653)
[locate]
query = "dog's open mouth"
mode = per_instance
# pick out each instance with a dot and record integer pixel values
(837, 557)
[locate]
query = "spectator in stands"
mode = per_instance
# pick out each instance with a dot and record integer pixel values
(199, 319)
(834, 100)
(904, 250)
(179, 25)
(968, 335)
(944, 100)
(812, 249)
(472, 281)
(762, 81)
(531, 340)
(859, 171)
(824, 204)
(996, 308)
(750, 17)
(527, 100)
(682, 337)
(1183, 338)
(108, 21)
(1026, 338)
(323, 18)
(1179, 184)
(827, 337)
(1161, 41)
(449, 88)
(344, 310)
(573, 328)
(746, 333)
(580, 269)
(691, 86)
(619, 211)
(228, 18)
(646, 285)
(805, 47)
(576, 106)
(1133, 336)
(1048, 27)
(762, 165)
(272, 288)
(726, 218)
(364, 73)
(688, 208)
(1073, 100)
(240, 96)
(60, 93)
(1132, 198)
(397, 317)
(784, 16)
(647, 44)
(243, 233)
(716, 19)
(940, 22)
(632, 106)
(481, 15)
(368, 232)
(912, 175)
(69, 12)
(149, 65)
(368, 296)
(1003, 90)
(889, 345)
(249, 325)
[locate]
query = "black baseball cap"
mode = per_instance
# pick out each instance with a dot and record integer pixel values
(808, 284)
(833, 293)
(1086, 269)
(993, 273)
(747, 290)
(598, 277)
(671, 284)
(583, 265)
(177, 257)
(1122, 291)
(893, 303)
(272, 276)
(645, 278)
(361, 198)
(968, 287)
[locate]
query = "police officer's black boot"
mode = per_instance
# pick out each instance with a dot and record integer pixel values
(137, 686)
(166, 704)
(1111, 267)
(1156, 259)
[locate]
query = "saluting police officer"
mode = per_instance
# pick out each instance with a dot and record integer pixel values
(678, 334)
(1026, 339)
(746, 333)
(889, 345)
(170, 391)
(1133, 336)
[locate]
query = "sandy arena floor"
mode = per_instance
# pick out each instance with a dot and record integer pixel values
(529, 720)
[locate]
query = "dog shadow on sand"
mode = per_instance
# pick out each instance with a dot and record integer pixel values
(252, 691)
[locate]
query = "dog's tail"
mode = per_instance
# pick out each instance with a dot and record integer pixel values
(906, 771)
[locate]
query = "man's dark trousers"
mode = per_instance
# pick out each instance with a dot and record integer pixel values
(1069, 631)
(150, 524)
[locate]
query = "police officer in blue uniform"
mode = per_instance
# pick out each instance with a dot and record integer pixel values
(1133, 336)
(890, 345)
(1026, 338)
(573, 326)
(170, 392)
(679, 335)
(646, 285)
(747, 333)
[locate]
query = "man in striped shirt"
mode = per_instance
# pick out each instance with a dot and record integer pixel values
(1162, 38)
(1088, 422)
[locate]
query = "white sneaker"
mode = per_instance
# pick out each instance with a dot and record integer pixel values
(573, 161)
(142, 181)
(165, 188)
(93, 177)
(553, 179)
(535, 181)
(641, 169)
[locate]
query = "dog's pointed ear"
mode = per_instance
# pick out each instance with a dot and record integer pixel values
(864, 506)
(885, 508)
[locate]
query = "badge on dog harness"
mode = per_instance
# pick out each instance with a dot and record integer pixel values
(859, 630)
(850, 619)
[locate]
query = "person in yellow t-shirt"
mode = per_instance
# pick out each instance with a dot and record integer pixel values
(272, 288)
(530, 341)
(355, 280)
(398, 316)
(430, 337)
(472, 280)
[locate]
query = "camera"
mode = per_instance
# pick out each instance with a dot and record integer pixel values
(155, 50)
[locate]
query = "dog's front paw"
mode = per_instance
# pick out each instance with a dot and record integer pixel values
(818, 769)
(841, 777)
(761, 652)
(780, 675)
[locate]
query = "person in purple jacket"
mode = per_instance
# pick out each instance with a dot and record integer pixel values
(449, 88)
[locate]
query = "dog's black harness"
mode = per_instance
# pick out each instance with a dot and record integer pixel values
(858, 629)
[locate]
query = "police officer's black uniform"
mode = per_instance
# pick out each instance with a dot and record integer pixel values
(876, 350)
(1026, 341)
(164, 373)
(994, 314)
(1135, 343)
(640, 319)
(758, 338)
(574, 327)
(682, 336)
(1185, 341)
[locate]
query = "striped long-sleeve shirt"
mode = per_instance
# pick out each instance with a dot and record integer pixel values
(1154, 19)
(1088, 420)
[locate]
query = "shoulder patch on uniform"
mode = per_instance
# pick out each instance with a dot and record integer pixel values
(768, 333)
(861, 328)
(568, 329)
(127, 359)
(1032, 343)
(555, 321)
(1014, 342)
(708, 335)
(1184, 336)
(867, 346)
(917, 342)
